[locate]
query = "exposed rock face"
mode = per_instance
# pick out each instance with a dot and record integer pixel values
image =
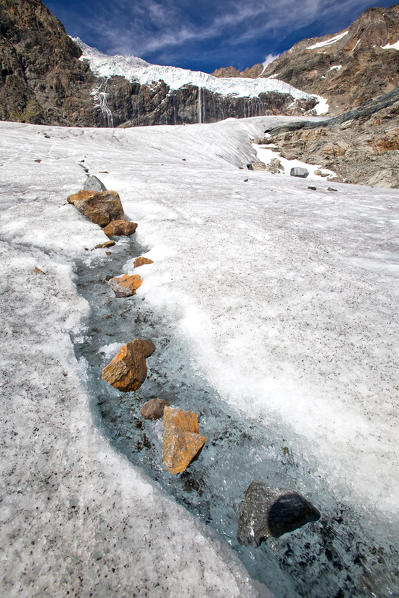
(181, 440)
(41, 78)
(153, 409)
(101, 207)
(92, 183)
(125, 285)
(266, 512)
(128, 369)
(361, 146)
(347, 72)
(141, 261)
(120, 228)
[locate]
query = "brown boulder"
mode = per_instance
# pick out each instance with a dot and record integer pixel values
(128, 369)
(125, 285)
(141, 261)
(181, 440)
(120, 228)
(98, 206)
(154, 408)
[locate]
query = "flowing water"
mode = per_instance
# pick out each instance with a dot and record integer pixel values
(346, 554)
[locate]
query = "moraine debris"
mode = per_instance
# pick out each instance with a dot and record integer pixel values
(181, 439)
(120, 228)
(101, 207)
(125, 285)
(128, 369)
(154, 408)
(141, 261)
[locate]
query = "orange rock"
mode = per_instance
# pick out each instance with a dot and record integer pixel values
(181, 441)
(140, 261)
(98, 206)
(104, 245)
(120, 228)
(128, 369)
(125, 285)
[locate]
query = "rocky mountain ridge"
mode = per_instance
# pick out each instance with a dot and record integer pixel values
(348, 68)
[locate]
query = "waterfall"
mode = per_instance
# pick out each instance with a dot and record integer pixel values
(100, 97)
(200, 105)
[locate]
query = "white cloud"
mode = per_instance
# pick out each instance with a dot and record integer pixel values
(269, 58)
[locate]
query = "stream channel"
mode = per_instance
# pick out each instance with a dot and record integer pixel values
(344, 554)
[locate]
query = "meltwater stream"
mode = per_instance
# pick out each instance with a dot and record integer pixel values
(345, 554)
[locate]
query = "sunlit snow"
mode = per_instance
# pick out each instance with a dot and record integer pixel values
(285, 297)
(328, 42)
(394, 46)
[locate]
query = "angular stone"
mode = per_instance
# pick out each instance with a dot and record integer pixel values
(120, 228)
(266, 512)
(128, 369)
(299, 172)
(181, 440)
(141, 261)
(105, 245)
(256, 166)
(153, 409)
(92, 183)
(275, 166)
(125, 285)
(98, 206)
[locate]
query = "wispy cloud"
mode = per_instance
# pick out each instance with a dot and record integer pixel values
(155, 28)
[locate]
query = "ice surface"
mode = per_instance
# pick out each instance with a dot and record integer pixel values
(328, 42)
(136, 70)
(285, 298)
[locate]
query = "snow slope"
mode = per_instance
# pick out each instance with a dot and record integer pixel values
(136, 69)
(285, 298)
(76, 518)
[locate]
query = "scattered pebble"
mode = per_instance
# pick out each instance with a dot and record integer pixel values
(331, 189)
(312, 188)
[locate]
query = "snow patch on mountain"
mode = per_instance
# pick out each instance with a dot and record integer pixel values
(394, 46)
(328, 42)
(136, 69)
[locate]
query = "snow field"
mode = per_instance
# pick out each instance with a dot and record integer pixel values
(285, 297)
(75, 516)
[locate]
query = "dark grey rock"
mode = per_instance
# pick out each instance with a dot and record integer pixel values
(92, 183)
(299, 172)
(271, 512)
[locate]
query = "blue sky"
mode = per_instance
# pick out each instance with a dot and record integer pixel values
(203, 34)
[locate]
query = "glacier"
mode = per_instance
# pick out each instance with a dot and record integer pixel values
(281, 305)
(136, 69)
